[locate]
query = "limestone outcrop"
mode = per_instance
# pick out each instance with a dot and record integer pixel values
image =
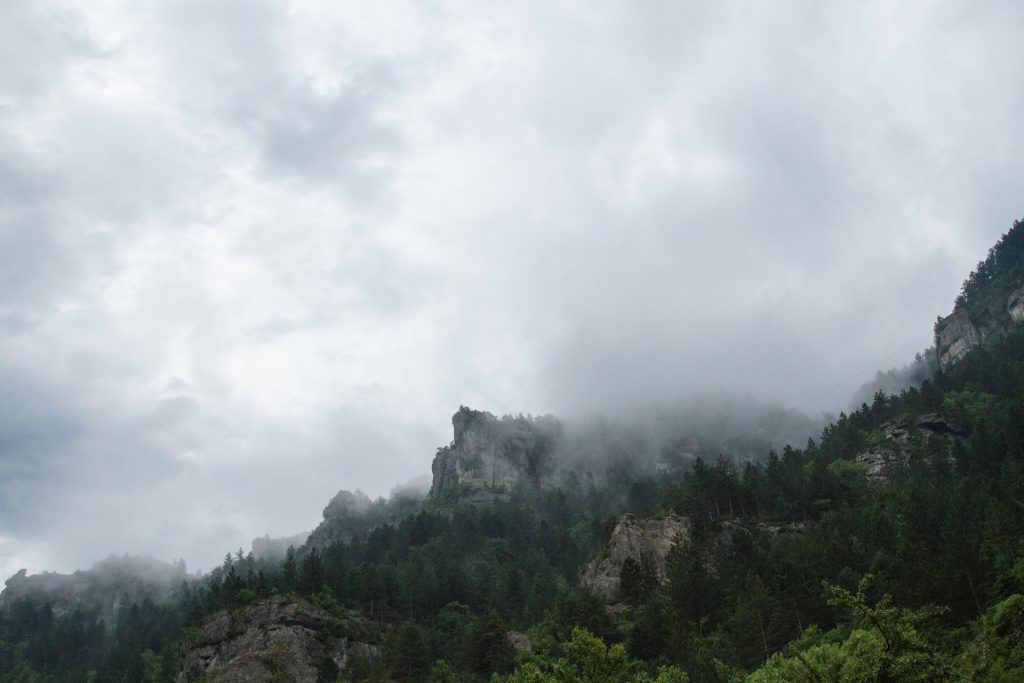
(901, 430)
(955, 336)
(642, 540)
(968, 326)
(1015, 305)
(898, 435)
(274, 640)
(349, 515)
(876, 462)
(346, 516)
(488, 452)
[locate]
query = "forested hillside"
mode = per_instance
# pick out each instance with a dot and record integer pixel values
(891, 548)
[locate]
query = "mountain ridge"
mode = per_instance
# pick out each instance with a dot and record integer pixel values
(814, 559)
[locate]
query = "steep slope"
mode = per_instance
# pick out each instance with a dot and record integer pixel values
(814, 563)
(990, 301)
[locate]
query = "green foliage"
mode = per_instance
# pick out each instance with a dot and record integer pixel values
(442, 672)
(995, 652)
(135, 642)
(408, 653)
(883, 643)
(587, 659)
(984, 292)
(311, 575)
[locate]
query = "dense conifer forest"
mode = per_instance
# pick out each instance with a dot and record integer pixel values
(804, 566)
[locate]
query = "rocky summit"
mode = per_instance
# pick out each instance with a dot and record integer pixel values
(345, 517)
(490, 452)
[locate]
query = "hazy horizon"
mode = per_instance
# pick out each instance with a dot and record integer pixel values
(252, 253)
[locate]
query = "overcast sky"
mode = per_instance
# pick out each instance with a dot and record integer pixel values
(254, 252)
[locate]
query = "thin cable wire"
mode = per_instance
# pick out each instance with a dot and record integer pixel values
(867, 369)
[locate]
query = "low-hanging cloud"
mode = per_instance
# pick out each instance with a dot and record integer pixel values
(253, 253)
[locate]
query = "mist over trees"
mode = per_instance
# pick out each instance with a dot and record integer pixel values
(442, 587)
(669, 435)
(895, 380)
(887, 548)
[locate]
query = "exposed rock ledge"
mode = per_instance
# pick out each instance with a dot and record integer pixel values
(1015, 305)
(955, 336)
(634, 538)
(898, 435)
(273, 640)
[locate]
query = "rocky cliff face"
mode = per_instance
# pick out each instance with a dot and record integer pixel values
(1015, 305)
(955, 336)
(353, 514)
(274, 640)
(488, 452)
(898, 436)
(346, 516)
(992, 299)
(642, 540)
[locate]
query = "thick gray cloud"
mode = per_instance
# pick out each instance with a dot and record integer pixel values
(255, 252)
